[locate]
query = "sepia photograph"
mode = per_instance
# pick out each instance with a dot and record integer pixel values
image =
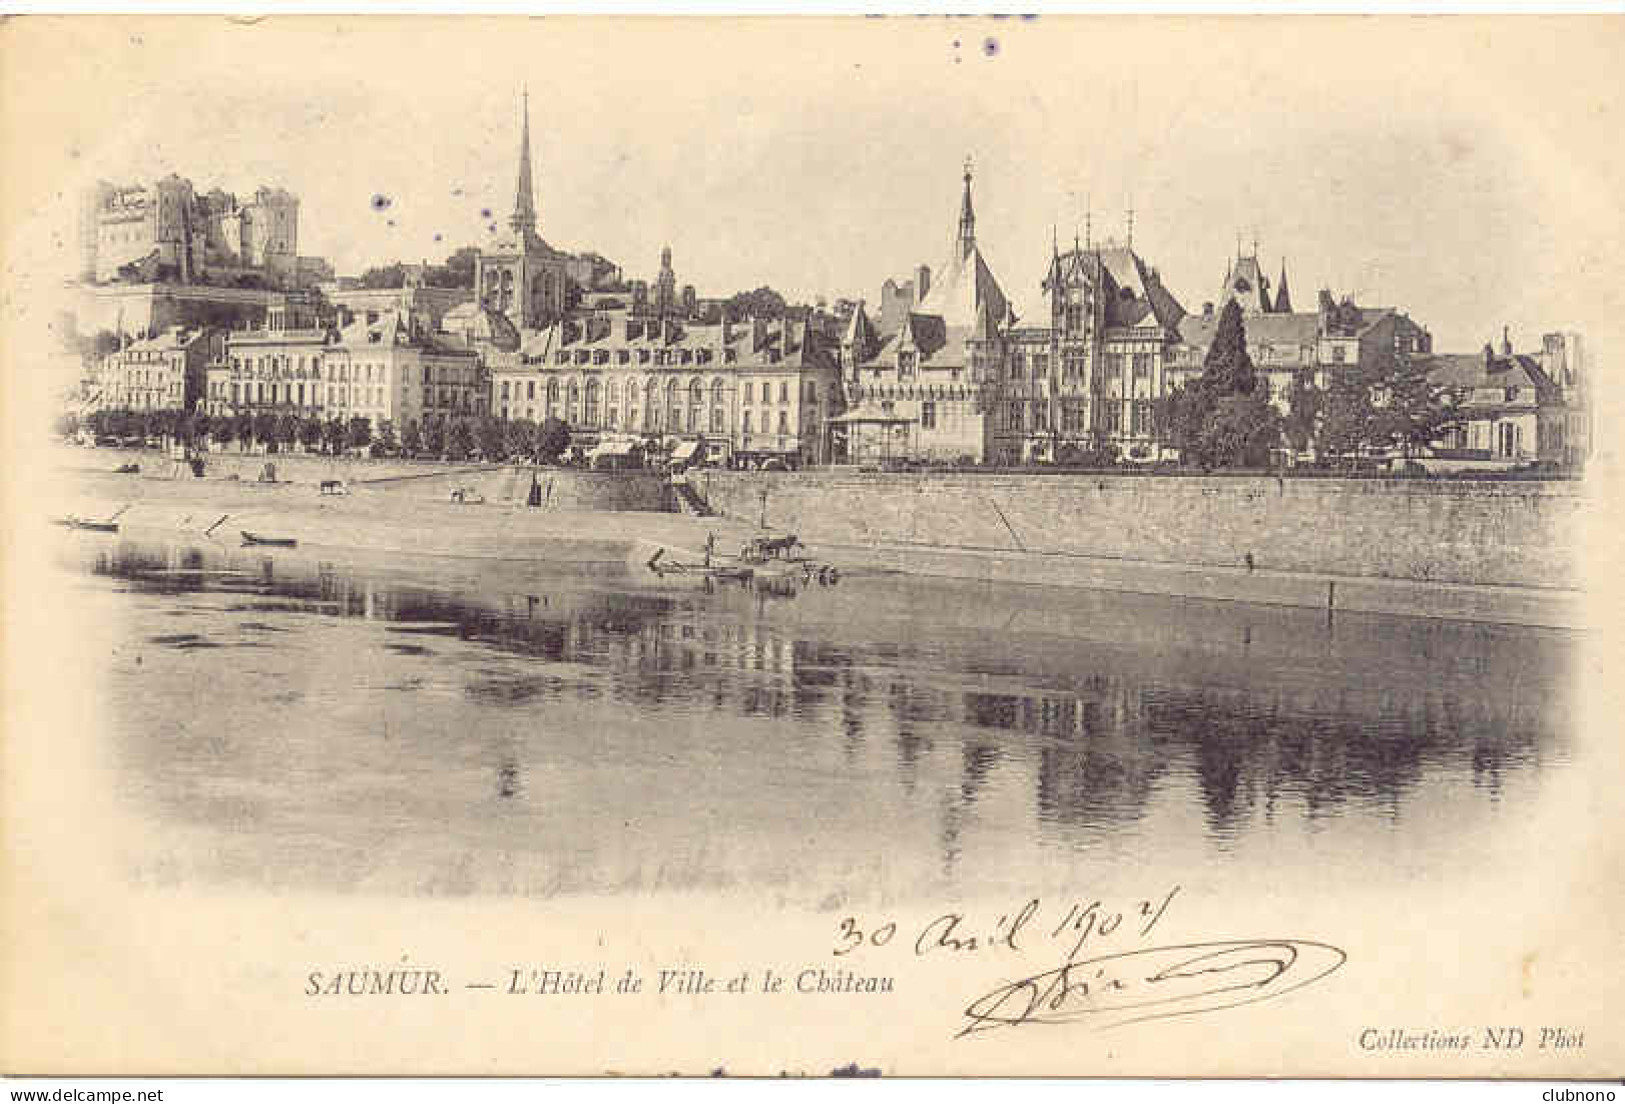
(1045, 545)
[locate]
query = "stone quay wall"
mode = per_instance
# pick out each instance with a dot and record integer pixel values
(563, 488)
(1482, 533)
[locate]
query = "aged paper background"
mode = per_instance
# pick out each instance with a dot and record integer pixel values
(103, 975)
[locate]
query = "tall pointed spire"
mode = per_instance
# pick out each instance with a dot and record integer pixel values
(523, 220)
(967, 218)
(1283, 298)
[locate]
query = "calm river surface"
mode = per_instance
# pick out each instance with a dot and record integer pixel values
(323, 722)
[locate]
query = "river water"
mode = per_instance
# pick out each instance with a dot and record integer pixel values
(312, 720)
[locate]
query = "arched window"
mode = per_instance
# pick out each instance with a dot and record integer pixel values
(696, 392)
(671, 391)
(613, 392)
(716, 392)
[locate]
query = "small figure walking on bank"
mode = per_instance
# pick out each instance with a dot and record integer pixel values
(710, 547)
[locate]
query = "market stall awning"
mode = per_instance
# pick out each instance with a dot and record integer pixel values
(613, 448)
(685, 450)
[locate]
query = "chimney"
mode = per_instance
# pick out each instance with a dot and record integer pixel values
(1506, 340)
(1489, 354)
(727, 328)
(922, 283)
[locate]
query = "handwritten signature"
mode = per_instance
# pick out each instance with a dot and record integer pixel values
(1156, 983)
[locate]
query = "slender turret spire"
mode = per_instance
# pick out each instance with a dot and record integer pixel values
(524, 200)
(967, 218)
(1283, 298)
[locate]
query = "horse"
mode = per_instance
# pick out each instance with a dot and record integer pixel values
(772, 546)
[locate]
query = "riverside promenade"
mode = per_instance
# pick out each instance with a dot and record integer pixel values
(415, 516)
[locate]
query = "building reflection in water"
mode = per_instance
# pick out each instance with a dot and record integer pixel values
(1100, 698)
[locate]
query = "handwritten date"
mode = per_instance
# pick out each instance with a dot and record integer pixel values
(1079, 922)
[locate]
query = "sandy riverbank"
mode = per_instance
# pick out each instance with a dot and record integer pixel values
(375, 520)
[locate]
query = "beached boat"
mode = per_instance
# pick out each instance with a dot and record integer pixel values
(84, 523)
(661, 566)
(278, 542)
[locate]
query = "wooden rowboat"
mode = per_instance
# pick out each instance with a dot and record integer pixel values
(661, 566)
(278, 542)
(86, 524)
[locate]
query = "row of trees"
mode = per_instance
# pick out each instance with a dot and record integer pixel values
(1224, 418)
(456, 272)
(452, 438)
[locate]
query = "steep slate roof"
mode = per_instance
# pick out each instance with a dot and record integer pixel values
(1246, 283)
(389, 327)
(480, 324)
(1468, 370)
(1283, 298)
(860, 334)
(959, 290)
(1261, 329)
(786, 340)
(1132, 293)
(175, 337)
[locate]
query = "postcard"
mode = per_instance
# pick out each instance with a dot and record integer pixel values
(1045, 545)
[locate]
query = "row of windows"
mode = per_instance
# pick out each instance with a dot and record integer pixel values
(1020, 417)
(675, 420)
(340, 371)
(551, 390)
(659, 357)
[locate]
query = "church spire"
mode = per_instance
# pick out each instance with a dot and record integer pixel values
(967, 219)
(523, 220)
